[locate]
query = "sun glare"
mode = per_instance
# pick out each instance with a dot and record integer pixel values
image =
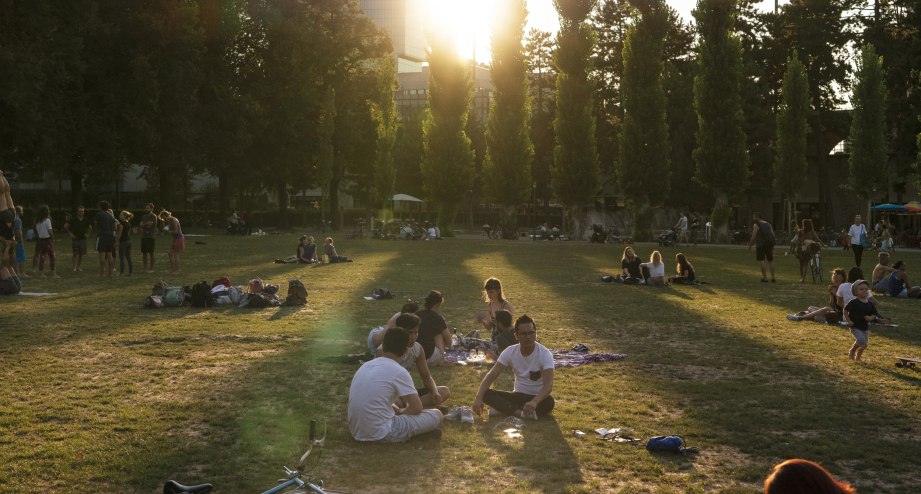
(466, 23)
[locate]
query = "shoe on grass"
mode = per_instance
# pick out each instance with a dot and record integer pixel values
(454, 415)
(793, 317)
(466, 415)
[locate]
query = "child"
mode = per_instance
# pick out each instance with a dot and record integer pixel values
(858, 313)
(656, 269)
(45, 234)
(686, 274)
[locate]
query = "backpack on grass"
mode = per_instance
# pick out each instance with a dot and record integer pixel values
(668, 444)
(297, 293)
(173, 296)
(201, 295)
(381, 294)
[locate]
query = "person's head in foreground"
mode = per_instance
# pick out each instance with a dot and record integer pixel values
(409, 322)
(526, 331)
(395, 341)
(803, 477)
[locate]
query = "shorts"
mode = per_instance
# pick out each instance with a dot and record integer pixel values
(861, 337)
(436, 358)
(105, 245)
(178, 245)
(765, 252)
(882, 285)
(902, 294)
(147, 245)
(404, 427)
(78, 247)
(374, 331)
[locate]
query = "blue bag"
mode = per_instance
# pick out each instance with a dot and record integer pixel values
(668, 444)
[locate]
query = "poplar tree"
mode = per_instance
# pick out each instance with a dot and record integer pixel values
(509, 151)
(869, 155)
(447, 158)
(790, 164)
(721, 156)
(644, 165)
(575, 166)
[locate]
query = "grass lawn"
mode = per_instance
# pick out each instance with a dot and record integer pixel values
(101, 394)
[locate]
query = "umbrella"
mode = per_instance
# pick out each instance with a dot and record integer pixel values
(890, 208)
(913, 207)
(406, 197)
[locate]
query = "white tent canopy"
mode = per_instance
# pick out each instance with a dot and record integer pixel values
(406, 197)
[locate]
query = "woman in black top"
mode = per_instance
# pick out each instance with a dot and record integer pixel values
(686, 274)
(433, 330)
(123, 236)
(634, 273)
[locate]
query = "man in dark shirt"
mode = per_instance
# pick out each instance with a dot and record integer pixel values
(105, 238)
(77, 226)
(148, 236)
(763, 240)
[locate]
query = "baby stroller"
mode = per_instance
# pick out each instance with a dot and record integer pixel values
(668, 238)
(598, 234)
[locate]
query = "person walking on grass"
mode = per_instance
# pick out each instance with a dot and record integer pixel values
(859, 313)
(45, 235)
(532, 365)
(763, 240)
(105, 238)
(377, 385)
(857, 234)
(77, 226)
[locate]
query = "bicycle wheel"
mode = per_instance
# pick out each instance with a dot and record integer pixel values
(816, 266)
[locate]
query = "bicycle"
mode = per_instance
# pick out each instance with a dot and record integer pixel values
(297, 479)
(815, 265)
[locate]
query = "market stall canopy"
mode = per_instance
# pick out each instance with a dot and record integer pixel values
(890, 208)
(406, 197)
(913, 207)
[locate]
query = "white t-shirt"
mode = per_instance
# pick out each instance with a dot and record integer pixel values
(855, 231)
(522, 366)
(376, 385)
(655, 271)
(683, 223)
(409, 358)
(44, 228)
(844, 291)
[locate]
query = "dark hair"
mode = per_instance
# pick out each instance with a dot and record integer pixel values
(883, 255)
(854, 274)
(303, 237)
(42, 212)
(409, 308)
(104, 205)
(395, 341)
(433, 298)
(503, 318)
(757, 215)
(898, 265)
(493, 284)
(803, 477)
(149, 205)
(684, 266)
(808, 226)
(524, 319)
(409, 322)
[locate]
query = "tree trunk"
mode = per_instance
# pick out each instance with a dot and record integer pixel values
(509, 223)
(334, 215)
(720, 214)
(282, 191)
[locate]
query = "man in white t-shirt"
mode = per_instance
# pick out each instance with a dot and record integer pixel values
(431, 395)
(532, 365)
(376, 386)
(857, 232)
(681, 227)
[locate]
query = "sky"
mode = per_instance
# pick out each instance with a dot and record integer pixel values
(469, 20)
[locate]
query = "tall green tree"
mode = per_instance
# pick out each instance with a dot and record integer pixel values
(721, 155)
(539, 48)
(644, 165)
(509, 150)
(869, 158)
(447, 158)
(792, 128)
(384, 111)
(407, 152)
(575, 166)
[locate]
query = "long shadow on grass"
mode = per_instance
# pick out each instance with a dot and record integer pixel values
(274, 399)
(737, 391)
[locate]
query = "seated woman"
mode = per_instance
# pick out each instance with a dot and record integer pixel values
(330, 250)
(686, 274)
(634, 273)
(306, 250)
(376, 336)
(832, 312)
(809, 245)
(495, 300)
(899, 286)
(656, 269)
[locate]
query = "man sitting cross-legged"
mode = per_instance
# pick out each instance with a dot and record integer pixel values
(532, 364)
(376, 387)
(431, 395)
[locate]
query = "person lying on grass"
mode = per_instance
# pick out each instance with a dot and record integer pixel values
(431, 395)
(859, 313)
(376, 336)
(377, 385)
(532, 365)
(685, 270)
(831, 313)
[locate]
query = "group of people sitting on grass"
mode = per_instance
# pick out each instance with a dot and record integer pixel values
(384, 405)
(306, 252)
(637, 272)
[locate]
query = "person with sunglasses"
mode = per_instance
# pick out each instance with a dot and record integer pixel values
(532, 365)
